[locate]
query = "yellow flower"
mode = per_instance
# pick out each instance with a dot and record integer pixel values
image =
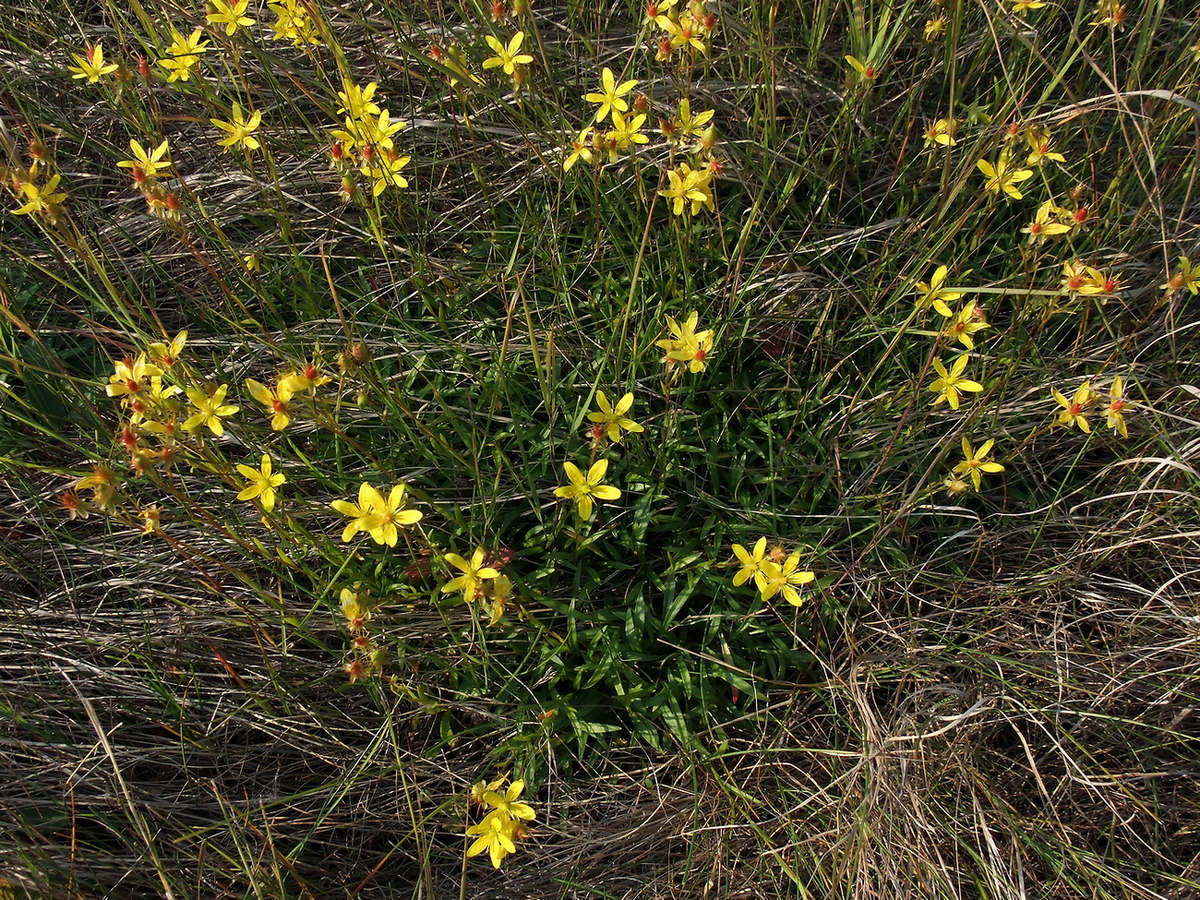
(390, 514)
(130, 377)
(773, 578)
(276, 402)
(474, 574)
(968, 321)
(362, 514)
(307, 378)
(240, 130)
(508, 803)
(152, 517)
(103, 483)
(153, 403)
(1086, 280)
(686, 125)
(687, 186)
(387, 172)
(751, 561)
(1040, 148)
(355, 607)
(955, 485)
(149, 164)
(231, 14)
(687, 33)
(357, 103)
(183, 55)
(40, 199)
(1020, 6)
(497, 834)
(942, 132)
(262, 483)
(1074, 410)
(935, 28)
(1186, 278)
(1004, 176)
(628, 132)
(480, 788)
(932, 294)
(1114, 414)
(1047, 222)
(497, 591)
(1111, 13)
(209, 409)
(293, 23)
(580, 149)
(611, 95)
(613, 418)
(166, 355)
(376, 130)
(688, 345)
(974, 464)
(91, 65)
(867, 70)
(585, 491)
(507, 57)
(950, 383)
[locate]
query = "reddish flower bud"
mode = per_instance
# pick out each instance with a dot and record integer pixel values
(143, 67)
